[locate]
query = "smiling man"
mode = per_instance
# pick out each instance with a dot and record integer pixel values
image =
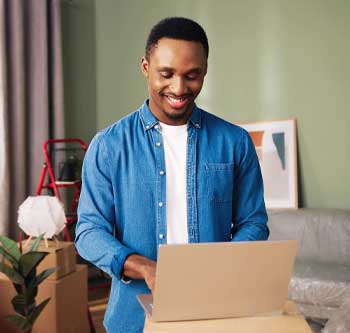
(169, 172)
(175, 77)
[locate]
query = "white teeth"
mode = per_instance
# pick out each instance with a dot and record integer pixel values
(176, 100)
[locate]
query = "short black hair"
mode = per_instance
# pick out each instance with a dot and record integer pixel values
(176, 28)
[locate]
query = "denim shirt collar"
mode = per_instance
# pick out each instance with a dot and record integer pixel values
(149, 120)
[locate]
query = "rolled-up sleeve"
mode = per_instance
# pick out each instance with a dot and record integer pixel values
(94, 239)
(249, 212)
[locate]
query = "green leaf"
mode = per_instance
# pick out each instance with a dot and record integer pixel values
(31, 276)
(21, 322)
(11, 274)
(9, 257)
(18, 287)
(26, 298)
(19, 304)
(36, 312)
(29, 261)
(41, 277)
(11, 247)
(36, 243)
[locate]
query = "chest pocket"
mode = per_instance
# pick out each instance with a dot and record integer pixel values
(220, 178)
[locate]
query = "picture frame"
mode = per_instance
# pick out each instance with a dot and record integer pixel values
(275, 144)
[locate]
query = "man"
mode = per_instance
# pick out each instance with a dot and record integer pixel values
(167, 173)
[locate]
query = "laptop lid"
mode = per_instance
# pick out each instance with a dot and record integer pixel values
(220, 280)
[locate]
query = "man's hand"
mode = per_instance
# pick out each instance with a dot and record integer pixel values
(138, 267)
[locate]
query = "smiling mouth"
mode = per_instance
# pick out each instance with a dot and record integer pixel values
(177, 102)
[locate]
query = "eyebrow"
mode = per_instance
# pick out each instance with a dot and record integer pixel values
(170, 69)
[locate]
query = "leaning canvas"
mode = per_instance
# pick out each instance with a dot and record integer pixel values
(275, 144)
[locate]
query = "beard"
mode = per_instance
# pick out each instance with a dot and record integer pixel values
(179, 114)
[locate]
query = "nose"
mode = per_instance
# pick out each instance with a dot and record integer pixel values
(177, 86)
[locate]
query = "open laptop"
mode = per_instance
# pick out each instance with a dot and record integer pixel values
(220, 280)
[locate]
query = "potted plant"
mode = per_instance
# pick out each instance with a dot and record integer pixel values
(20, 268)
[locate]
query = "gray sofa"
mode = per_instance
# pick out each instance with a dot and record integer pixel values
(321, 279)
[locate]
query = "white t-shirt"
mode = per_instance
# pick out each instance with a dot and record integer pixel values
(175, 150)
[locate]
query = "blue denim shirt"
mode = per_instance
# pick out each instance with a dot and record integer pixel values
(122, 203)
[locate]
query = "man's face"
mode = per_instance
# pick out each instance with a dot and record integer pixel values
(175, 74)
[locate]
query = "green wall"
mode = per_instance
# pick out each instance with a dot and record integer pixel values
(272, 59)
(79, 67)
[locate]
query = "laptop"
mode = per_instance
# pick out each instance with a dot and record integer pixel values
(220, 280)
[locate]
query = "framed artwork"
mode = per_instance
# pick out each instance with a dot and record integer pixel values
(275, 144)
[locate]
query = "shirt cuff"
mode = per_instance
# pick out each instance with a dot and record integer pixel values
(119, 260)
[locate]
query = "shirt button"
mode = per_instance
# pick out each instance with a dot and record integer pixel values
(156, 127)
(162, 173)
(196, 125)
(161, 236)
(160, 204)
(158, 144)
(147, 127)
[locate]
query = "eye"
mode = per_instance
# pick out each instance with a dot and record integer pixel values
(166, 75)
(192, 76)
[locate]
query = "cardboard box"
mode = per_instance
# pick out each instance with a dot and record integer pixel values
(61, 255)
(65, 313)
(289, 322)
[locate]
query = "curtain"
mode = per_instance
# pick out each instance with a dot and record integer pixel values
(31, 98)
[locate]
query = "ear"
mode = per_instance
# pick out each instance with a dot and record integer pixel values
(144, 67)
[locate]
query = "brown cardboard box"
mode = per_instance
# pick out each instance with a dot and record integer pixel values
(61, 255)
(65, 313)
(289, 322)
